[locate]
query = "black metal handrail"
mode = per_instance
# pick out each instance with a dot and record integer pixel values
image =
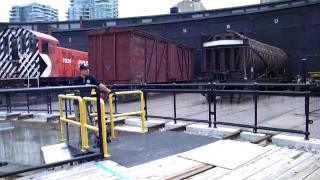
(212, 89)
(48, 90)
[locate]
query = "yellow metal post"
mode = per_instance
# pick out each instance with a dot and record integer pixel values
(103, 124)
(83, 129)
(143, 114)
(62, 139)
(104, 128)
(111, 115)
(83, 121)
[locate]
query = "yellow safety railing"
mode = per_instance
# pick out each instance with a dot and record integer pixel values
(113, 116)
(82, 123)
(103, 123)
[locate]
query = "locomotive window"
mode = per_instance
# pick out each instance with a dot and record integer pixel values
(14, 50)
(23, 44)
(45, 48)
(6, 45)
(33, 44)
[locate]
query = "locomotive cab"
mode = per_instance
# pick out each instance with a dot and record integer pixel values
(34, 56)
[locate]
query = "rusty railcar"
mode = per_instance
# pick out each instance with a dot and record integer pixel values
(127, 55)
(233, 56)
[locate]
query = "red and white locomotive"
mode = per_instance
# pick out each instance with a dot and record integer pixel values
(29, 55)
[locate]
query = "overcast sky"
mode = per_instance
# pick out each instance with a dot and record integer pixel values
(127, 8)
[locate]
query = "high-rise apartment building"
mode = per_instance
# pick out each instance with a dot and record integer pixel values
(267, 1)
(93, 9)
(33, 12)
(190, 6)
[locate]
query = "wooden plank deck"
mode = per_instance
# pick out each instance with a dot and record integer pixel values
(227, 154)
(273, 163)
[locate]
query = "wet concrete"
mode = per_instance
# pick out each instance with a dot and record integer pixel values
(132, 149)
(22, 145)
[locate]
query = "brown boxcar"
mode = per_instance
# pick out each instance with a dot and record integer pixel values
(127, 55)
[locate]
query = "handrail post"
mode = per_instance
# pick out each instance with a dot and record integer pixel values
(10, 105)
(101, 123)
(111, 115)
(28, 103)
(115, 104)
(47, 103)
(174, 104)
(104, 129)
(62, 139)
(307, 102)
(255, 97)
(215, 105)
(66, 115)
(50, 98)
(70, 109)
(209, 94)
(142, 112)
(83, 122)
(145, 96)
(8, 102)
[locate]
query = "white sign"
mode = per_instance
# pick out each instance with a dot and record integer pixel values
(66, 60)
(55, 153)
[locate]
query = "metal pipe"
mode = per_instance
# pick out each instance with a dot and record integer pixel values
(181, 119)
(143, 115)
(255, 96)
(127, 92)
(71, 121)
(209, 103)
(174, 108)
(28, 103)
(46, 89)
(83, 120)
(113, 135)
(217, 84)
(86, 157)
(62, 139)
(281, 130)
(10, 107)
(48, 107)
(128, 114)
(307, 102)
(115, 104)
(214, 107)
(66, 115)
(23, 109)
(100, 121)
(146, 104)
(102, 129)
(112, 115)
(145, 96)
(70, 109)
(235, 124)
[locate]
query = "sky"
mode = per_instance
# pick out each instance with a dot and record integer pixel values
(127, 8)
